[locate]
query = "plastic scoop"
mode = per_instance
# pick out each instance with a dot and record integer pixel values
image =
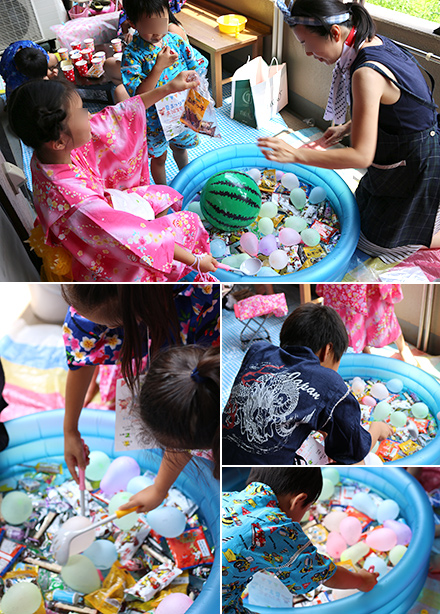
(82, 485)
(63, 539)
(251, 266)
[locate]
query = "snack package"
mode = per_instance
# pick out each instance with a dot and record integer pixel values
(128, 542)
(170, 110)
(190, 549)
(153, 582)
(108, 599)
(9, 553)
(198, 110)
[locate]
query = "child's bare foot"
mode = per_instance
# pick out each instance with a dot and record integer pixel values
(407, 356)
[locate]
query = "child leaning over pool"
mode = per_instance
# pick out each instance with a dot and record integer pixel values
(261, 532)
(179, 405)
(282, 394)
(153, 58)
(91, 186)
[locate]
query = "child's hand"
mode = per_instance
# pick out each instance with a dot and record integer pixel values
(208, 264)
(166, 58)
(367, 580)
(386, 431)
(186, 80)
(145, 500)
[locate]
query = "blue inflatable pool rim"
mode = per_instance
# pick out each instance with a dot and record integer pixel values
(426, 387)
(333, 267)
(39, 437)
(399, 589)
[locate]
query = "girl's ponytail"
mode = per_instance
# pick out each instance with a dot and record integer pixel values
(362, 21)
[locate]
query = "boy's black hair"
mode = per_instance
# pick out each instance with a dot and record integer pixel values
(290, 480)
(136, 9)
(31, 62)
(37, 111)
(319, 9)
(314, 326)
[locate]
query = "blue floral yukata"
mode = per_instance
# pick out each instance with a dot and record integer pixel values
(258, 536)
(198, 312)
(137, 62)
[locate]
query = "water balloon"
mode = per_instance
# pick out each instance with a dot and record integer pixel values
(138, 483)
(99, 462)
(167, 521)
(351, 530)
(175, 603)
(328, 488)
(289, 236)
(311, 237)
(387, 509)
(255, 173)
(218, 248)
(382, 411)
(126, 522)
(298, 198)
(317, 195)
(335, 545)
(16, 507)
(419, 411)
(119, 473)
(395, 385)
(398, 419)
(332, 474)
(296, 222)
(80, 574)
(102, 553)
(265, 225)
(290, 181)
(267, 245)
(381, 539)
(379, 391)
(249, 243)
(268, 209)
(21, 598)
(278, 259)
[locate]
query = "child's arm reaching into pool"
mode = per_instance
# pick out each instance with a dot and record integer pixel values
(345, 579)
(379, 431)
(151, 497)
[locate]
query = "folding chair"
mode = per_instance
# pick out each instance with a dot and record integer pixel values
(254, 311)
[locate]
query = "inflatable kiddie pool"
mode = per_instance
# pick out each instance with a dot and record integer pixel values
(39, 437)
(426, 387)
(399, 589)
(333, 267)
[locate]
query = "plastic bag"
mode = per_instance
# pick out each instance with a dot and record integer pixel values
(199, 113)
(170, 110)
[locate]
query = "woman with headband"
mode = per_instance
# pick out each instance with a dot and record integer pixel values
(394, 127)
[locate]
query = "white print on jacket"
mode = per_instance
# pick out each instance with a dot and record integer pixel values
(265, 408)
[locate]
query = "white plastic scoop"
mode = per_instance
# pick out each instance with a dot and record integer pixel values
(251, 266)
(62, 540)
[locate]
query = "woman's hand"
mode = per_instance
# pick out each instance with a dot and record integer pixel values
(166, 58)
(76, 453)
(331, 136)
(277, 150)
(145, 500)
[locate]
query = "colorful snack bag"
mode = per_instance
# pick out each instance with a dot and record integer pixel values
(198, 111)
(108, 599)
(153, 582)
(190, 549)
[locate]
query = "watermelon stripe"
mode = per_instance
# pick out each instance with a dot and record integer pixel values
(225, 183)
(222, 212)
(233, 196)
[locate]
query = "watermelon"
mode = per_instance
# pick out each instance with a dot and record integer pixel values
(230, 200)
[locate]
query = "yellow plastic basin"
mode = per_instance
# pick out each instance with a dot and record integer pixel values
(231, 24)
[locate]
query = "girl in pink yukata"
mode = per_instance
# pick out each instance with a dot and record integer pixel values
(367, 311)
(91, 186)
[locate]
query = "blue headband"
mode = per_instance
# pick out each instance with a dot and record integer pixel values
(299, 20)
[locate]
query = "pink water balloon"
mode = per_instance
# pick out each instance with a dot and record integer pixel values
(351, 530)
(402, 530)
(367, 400)
(175, 603)
(249, 243)
(335, 545)
(333, 520)
(382, 539)
(289, 236)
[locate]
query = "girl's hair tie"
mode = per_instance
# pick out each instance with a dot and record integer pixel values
(195, 375)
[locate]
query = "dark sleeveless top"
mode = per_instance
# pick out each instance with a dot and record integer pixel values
(406, 115)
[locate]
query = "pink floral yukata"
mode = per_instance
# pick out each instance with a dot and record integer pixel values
(76, 211)
(367, 311)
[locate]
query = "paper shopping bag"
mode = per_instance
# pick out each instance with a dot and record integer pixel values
(259, 91)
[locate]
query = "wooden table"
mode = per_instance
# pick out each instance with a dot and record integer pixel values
(198, 18)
